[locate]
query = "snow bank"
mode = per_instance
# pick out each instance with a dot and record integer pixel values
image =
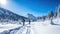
(39, 28)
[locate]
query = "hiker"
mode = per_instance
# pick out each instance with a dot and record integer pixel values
(29, 22)
(23, 22)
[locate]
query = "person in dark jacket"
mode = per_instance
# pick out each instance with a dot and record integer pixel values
(23, 22)
(29, 21)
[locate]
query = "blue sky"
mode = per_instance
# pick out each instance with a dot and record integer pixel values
(35, 7)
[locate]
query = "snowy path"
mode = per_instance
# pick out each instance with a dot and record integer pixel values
(25, 30)
(39, 28)
(7, 28)
(33, 28)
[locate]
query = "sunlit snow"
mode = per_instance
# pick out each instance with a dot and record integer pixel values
(42, 27)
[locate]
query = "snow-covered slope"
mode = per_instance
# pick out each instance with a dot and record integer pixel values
(7, 15)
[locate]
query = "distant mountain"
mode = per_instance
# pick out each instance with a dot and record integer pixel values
(6, 14)
(30, 16)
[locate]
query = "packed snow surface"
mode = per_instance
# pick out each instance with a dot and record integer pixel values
(8, 27)
(42, 27)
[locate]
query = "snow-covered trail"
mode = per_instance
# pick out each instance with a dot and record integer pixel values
(21, 30)
(8, 28)
(42, 27)
(25, 30)
(37, 28)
